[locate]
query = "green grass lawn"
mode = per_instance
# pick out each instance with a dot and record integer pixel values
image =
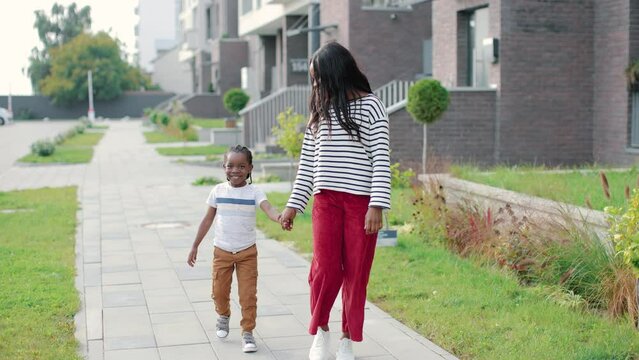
(208, 123)
(474, 311)
(571, 187)
(192, 150)
(37, 274)
(76, 150)
(154, 137)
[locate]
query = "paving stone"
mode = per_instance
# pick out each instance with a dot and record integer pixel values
(190, 352)
(132, 354)
(178, 329)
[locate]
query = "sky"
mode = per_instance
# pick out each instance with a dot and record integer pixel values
(18, 36)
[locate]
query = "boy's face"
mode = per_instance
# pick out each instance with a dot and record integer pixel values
(237, 168)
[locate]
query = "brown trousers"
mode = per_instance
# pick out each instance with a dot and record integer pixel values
(245, 264)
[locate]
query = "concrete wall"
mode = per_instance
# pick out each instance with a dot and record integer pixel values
(206, 106)
(465, 133)
(130, 104)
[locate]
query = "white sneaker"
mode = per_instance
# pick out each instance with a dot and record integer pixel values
(319, 349)
(222, 326)
(248, 342)
(345, 350)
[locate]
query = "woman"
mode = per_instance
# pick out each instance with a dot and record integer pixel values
(345, 164)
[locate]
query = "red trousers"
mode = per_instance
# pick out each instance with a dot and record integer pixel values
(342, 257)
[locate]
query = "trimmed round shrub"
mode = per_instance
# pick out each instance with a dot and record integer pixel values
(183, 122)
(235, 100)
(153, 117)
(59, 139)
(79, 129)
(427, 100)
(43, 148)
(165, 119)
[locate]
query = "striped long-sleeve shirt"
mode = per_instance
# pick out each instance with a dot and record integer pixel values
(341, 163)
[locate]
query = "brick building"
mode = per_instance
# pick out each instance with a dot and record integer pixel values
(556, 73)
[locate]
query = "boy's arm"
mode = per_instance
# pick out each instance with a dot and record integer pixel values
(205, 225)
(270, 211)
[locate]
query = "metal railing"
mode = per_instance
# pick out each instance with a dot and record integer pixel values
(634, 128)
(394, 92)
(259, 118)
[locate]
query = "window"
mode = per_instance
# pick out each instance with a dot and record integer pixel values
(475, 47)
(427, 58)
(247, 6)
(634, 119)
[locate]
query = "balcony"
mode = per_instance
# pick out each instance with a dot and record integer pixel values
(267, 19)
(388, 4)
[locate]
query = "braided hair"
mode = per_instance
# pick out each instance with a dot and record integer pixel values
(241, 150)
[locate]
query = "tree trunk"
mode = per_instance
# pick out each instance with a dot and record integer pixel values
(424, 151)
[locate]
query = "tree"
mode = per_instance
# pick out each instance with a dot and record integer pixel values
(67, 82)
(55, 30)
(427, 101)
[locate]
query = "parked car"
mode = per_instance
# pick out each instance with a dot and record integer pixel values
(5, 116)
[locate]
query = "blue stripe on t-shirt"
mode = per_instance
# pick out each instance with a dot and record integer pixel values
(235, 201)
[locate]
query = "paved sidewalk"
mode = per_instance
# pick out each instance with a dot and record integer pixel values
(139, 215)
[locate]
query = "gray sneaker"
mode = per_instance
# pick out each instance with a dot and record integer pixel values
(222, 326)
(248, 342)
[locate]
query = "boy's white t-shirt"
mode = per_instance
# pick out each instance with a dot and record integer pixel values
(235, 217)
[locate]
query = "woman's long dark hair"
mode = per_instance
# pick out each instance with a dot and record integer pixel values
(335, 78)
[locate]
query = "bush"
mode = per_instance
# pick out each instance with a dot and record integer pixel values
(624, 230)
(632, 75)
(183, 122)
(290, 132)
(164, 119)
(79, 129)
(43, 148)
(59, 139)
(551, 252)
(153, 117)
(268, 179)
(206, 180)
(24, 114)
(235, 100)
(401, 179)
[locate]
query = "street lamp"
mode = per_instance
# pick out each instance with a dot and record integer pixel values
(91, 114)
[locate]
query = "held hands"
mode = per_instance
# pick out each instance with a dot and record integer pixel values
(192, 257)
(286, 219)
(373, 222)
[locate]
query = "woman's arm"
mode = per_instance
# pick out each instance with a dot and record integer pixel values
(303, 185)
